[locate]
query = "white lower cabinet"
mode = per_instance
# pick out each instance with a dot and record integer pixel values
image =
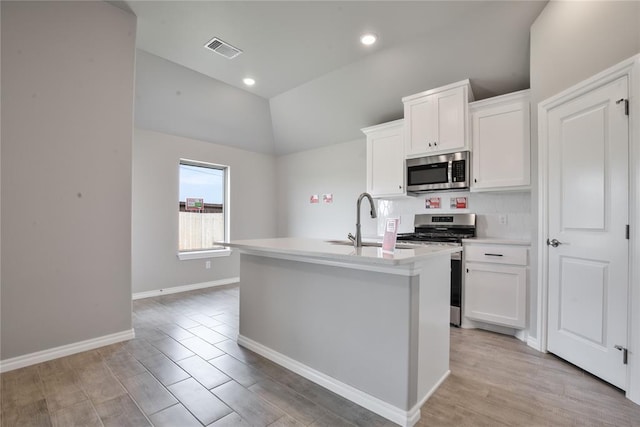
(495, 286)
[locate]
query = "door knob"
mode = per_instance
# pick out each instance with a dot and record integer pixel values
(554, 243)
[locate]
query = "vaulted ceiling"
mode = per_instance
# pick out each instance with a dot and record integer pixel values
(321, 83)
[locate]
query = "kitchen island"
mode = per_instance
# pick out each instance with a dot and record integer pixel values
(370, 326)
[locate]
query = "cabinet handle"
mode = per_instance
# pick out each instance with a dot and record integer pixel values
(399, 187)
(435, 144)
(429, 144)
(475, 180)
(493, 255)
(467, 270)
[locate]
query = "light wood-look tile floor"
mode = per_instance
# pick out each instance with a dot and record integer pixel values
(185, 369)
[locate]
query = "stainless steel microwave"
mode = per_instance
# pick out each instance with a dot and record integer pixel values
(437, 173)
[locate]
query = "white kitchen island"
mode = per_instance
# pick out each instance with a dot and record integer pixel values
(369, 326)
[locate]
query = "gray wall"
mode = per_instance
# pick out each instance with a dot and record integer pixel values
(180, 113)
(176, 100)
(337, 169)
(334, 107)
(571, 41)
(67, 107)
(155, 214)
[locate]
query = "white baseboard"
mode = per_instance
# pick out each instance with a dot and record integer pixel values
(414, 413)
(384, 409)
(185, 288)
(65, 350)
(520, 334)
(533, 342)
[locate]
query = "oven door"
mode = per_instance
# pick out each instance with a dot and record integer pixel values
(456, 288)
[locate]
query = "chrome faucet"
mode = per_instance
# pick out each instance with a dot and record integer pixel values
(357, 240)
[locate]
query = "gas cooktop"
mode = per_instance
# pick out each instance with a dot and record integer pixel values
(441, 228)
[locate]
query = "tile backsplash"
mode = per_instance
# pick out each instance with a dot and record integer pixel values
(514, 207)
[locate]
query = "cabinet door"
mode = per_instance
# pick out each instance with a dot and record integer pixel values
(448, 110)
(385, 163)
(496, 294)
(501, 157)
(419, 119)
(436, 123)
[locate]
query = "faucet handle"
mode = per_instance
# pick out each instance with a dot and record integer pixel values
(351, 237)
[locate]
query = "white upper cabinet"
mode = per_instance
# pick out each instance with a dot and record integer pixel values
(385, 159)
(500, 136)
(436, 120)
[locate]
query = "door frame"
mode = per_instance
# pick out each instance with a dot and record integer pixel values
(631, 69)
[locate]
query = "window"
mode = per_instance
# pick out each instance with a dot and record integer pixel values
(202, 209)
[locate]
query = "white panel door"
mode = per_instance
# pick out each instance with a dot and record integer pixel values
(588, 214)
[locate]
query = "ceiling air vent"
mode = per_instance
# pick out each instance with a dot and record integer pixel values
(222, 48)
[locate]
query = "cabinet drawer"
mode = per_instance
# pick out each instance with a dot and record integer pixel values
(496, 254)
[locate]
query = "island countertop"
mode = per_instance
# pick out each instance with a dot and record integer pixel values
(322, 249)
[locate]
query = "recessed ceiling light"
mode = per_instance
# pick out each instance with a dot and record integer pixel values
(368, 39)
(248, 81)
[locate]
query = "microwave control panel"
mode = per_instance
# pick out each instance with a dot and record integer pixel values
(458, 172)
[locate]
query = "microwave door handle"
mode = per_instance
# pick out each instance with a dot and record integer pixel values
(450, 171)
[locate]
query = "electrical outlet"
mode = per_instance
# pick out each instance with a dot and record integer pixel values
(502, 219)
(207, 264)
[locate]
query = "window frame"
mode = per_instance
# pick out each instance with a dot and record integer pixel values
(212, 252)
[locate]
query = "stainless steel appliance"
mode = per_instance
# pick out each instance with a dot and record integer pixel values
(443, 172)
(445, 229)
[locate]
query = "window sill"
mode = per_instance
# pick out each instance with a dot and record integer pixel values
(212, 253)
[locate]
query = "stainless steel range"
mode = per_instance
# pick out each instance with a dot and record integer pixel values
(445, 229)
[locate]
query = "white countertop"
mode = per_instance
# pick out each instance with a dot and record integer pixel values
(496, 241)
(316, 248)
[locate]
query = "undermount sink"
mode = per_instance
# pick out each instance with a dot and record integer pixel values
(372, 244)
(350, 243)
